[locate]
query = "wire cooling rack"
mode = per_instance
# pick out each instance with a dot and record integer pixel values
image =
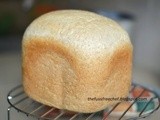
(19, 101)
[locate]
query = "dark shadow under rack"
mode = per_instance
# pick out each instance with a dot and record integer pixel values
(22, 103)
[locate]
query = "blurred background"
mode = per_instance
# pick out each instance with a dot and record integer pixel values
(141, 18)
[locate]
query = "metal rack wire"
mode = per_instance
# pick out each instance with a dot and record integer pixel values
(22, 103)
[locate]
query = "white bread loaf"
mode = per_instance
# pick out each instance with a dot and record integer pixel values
(72, 55)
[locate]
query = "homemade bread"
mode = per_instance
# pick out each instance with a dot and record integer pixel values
(73, 59)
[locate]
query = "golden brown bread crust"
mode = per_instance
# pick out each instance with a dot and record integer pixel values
(62, 75)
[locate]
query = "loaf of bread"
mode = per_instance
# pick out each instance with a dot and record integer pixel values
(73, 59)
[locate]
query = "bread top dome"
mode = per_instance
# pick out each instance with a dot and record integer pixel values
(82, 31)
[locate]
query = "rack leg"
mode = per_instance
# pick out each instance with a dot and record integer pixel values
(8, 112)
